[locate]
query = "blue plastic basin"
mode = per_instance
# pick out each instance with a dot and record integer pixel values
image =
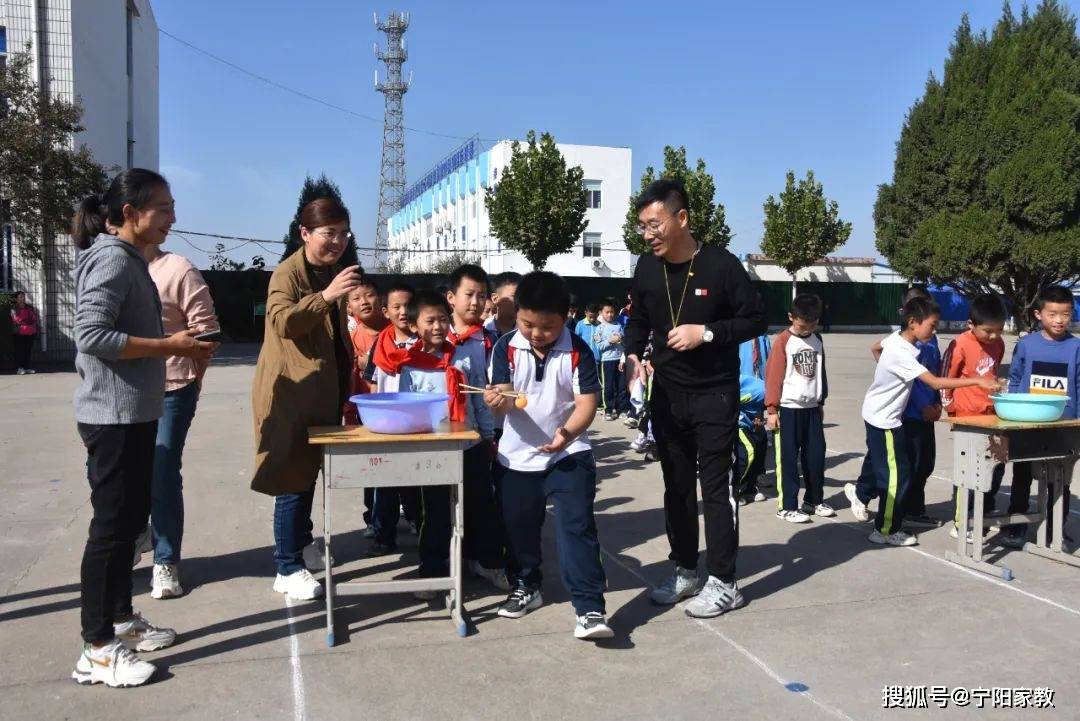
(1029, 407)
(397, 413)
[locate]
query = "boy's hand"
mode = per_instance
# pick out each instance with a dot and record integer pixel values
(559, 442)
(932, 414)
(622, 366)
(496, 401)
(991, 384)
(616, 338)
(772, 421)
(757, 422)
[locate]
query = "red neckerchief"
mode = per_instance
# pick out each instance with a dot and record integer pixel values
(392, 359)
(459, 339)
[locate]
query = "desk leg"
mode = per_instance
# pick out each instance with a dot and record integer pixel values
(1052, 476)
(457, 611)
(978, 527)
(972, 558)
(327, 560)
(1038, 470)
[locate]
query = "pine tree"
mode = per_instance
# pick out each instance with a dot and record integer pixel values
(707, 220)
(985, 194)
(322, 187)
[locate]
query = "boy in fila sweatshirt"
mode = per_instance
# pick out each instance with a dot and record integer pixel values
(795, 392)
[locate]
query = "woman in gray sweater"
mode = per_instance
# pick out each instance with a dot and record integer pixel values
(121, 361)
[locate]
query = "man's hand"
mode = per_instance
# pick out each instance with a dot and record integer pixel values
(685, 337)
(556, 444)
(772, 421)
(634, 370)
(932, 413)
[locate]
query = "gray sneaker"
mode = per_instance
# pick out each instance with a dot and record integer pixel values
(715, 598)
(140, 634)
(683, 583)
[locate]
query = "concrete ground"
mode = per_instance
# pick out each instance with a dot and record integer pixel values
(831, 620)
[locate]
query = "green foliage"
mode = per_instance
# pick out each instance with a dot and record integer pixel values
(538, 206)
(42, 178)
(707, 220)
(322, 187)
(985, 193)
(802, 226)
(445, 264)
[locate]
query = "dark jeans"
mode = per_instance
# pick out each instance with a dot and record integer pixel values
(921, 453)
(386, 511)
(23, 346)
(616, 399)
(749, 459)
(695, 436)
(167, 489)
(119, 466)
(292, 529)
(571, 486)
(1021, 496)
(800, 442)
(886, 476)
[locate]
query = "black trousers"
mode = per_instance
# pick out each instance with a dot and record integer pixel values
(23, 346)
(921, 452)
(1020, 495)
(695, 436)
(120, 467)
(800, 441)
(750, 460)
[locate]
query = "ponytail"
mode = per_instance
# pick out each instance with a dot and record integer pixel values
(131, 187)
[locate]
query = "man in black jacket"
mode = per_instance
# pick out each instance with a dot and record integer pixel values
(698, 303)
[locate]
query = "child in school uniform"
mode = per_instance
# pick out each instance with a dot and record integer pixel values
(752, 444)
(754, 355)
(975, 353)
(484, 543)
(1048, 363)
(586, 328)
(544, 453)
(886, 473)
(921, 412)
(432, 365)
(386, 509)
(795, 391)
(609, 341)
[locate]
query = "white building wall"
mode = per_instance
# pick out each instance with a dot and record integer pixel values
(839, 271)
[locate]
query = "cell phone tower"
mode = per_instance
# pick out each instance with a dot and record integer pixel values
(393, 88)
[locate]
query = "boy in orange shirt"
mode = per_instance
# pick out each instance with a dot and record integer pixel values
(977, 352)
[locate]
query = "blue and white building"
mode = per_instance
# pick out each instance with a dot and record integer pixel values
(444, 213)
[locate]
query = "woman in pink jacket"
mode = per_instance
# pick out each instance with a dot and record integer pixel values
(24, 326)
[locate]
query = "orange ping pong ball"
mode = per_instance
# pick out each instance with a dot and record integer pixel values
(520, 402)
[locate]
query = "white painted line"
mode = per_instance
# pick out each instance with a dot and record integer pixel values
(299, 705)
(746, 653)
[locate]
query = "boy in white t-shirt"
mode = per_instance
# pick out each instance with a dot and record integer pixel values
(544, 452)
(886, 472)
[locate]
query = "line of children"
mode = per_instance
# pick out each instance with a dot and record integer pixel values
(886, 471)
(796, 387)
(1045, 362)
(975, 353)
(503, 288)
(544, 453)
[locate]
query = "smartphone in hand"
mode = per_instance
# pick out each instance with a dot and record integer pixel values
(213, 336)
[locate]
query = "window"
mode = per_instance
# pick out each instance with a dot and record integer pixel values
(3, 39)
(591, 245)
(463, 236)
(495, 173)
(592, 194)
(474, 207)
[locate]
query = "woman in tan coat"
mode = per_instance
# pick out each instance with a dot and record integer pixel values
(302, 380)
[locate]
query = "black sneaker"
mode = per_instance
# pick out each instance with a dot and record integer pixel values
(1013, 538)
(378, 548)
(520, 601)
(592, 626)
(921, 519)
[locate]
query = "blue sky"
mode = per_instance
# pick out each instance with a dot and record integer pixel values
(753, 88)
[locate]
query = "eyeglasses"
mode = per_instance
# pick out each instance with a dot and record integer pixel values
(654, 226)
(328, 234)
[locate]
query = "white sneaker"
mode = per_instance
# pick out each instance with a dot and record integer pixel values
(954, 532)
(793, 516)
(143, 544)
(630, 422)
(166, 582)
(20, 372)
(639, 444)
(823, 509)
(715, 598)
(113, 665)
(299, 586)
(896, 538)
(759, 497)
(495, 576)
(592, 627)
(313, 558)
(858, 508)
(30, 371)
(681, 584)
(143, 635)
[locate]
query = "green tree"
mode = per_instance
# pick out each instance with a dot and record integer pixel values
(538, 206)
(42, 177)
(322, 187)
(985, 194)
(707, 220)
(445, 264)
(802, 226)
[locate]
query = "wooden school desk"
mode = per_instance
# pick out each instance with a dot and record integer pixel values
(1052, 449)
(355, 457)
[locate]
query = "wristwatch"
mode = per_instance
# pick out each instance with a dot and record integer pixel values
(707, 336)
